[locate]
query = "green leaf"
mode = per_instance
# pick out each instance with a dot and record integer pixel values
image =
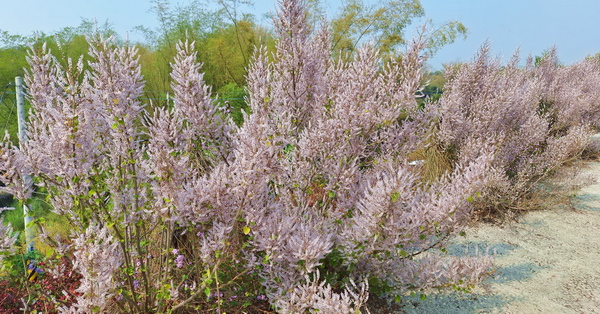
(395, 196)
(49, 253)
(423, 296)
(288, 148)
(246, 230)
(403, 253)
(207, 291)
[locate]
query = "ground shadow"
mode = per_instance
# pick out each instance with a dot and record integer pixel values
(479, 249)
(458, 302)
(582, 202)
(455, 303)
(519, 272)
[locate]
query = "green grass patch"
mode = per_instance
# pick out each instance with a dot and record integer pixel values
(42, 213)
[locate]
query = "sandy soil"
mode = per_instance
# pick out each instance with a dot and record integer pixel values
(548, 261)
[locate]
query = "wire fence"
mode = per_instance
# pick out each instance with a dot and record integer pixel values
(8, 107)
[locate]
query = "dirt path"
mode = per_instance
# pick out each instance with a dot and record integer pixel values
(549, 261)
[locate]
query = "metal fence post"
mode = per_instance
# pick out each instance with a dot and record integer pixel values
(29, 231)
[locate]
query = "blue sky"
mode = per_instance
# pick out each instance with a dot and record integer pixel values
(533, 25)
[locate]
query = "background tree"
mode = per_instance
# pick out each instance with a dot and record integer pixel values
(12, 62)
(433, 83)
(192, 21)
(385, 23)
(224, 38)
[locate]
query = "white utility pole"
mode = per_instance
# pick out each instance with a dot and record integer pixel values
(29, 232)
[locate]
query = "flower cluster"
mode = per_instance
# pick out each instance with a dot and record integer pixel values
(179, 259)
(96, 254)
(7, 240)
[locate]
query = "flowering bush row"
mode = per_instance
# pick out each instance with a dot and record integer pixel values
(534, 118)
(312, 199)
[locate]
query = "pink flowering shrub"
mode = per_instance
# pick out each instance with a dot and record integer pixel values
(7, 240)
(312, 195)
(321, 160)
(570, 93)
(533, 123)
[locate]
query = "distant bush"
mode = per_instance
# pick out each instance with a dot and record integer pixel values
(534, 119)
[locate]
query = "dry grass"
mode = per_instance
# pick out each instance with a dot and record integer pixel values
(433, 161)
(554, 190)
